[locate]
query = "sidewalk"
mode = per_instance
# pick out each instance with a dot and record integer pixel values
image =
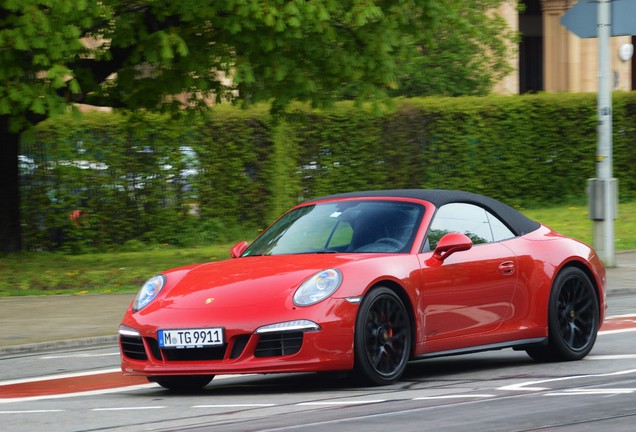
(30, 324)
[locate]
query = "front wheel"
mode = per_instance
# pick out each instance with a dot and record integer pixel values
(382, 338)
(573, 318)
(183, 383)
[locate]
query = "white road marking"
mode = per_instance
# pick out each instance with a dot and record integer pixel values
(459, 396)
(235, 405)
(86, 393)
(58, 376)
(331, 403)
(525, 386)
(129, 408)
(599, 391)
(88, 373)
(609, 332)
(32, 411)
(611, 357)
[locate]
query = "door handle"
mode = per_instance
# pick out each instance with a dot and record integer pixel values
(507, 268)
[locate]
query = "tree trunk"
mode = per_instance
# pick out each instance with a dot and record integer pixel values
(10, 233)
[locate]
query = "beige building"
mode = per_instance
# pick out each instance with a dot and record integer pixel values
(552, 59)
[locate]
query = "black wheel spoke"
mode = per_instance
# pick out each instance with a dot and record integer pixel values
(385, 337)
(573, 318)
(576, 311)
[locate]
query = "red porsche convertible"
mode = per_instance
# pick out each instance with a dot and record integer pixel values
(365, 282)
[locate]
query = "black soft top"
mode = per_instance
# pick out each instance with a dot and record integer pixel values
(516, 221)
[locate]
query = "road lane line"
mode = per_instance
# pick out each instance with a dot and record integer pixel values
(525, 386)
(256, 405)
(609, 332)
(588, 392)
(85, 382)
(611, 357)
(33, 411)
(459, 396)
(58, 376)
(129, 408)
(79, 394)
(331, 403)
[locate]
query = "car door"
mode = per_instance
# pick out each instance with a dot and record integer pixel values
(471, 291)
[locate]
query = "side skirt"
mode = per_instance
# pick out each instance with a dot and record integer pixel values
(517, 345)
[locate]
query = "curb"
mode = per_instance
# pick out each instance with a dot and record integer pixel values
(42, 347)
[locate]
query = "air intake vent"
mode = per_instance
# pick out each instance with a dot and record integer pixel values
(133, 347)
(279, 344)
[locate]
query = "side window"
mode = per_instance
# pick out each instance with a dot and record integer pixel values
(500, 232)
(473, 221)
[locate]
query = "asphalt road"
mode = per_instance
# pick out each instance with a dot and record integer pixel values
(493, 391)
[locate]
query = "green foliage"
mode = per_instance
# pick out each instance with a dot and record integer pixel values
(341, 150)
(464, 51)
(38, 273)
(280, 50)
(37, 40)
(188, 181)
(284, 184)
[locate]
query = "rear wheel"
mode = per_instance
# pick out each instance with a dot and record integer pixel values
(183, 383)
(382, 338)
(573, 318)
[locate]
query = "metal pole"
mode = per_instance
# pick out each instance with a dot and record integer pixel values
(604, 229)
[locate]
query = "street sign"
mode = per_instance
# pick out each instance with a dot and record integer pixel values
(581, 18)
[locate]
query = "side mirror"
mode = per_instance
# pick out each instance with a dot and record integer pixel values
(448, 245)
(238, 249)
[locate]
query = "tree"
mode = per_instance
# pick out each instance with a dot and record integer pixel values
(38, 40)
(140, 53)
(468, 54)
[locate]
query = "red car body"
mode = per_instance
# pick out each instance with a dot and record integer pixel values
(457, 297)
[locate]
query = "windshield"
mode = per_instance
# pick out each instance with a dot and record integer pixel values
(342, 227)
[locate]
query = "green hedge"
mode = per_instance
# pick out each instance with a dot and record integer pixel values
(152, 179)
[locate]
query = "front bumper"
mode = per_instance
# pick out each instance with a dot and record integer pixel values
(245, 350)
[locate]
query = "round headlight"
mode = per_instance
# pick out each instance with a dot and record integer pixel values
(318, 287)
(148, 292)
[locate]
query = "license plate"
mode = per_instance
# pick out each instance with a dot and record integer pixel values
(191, 338)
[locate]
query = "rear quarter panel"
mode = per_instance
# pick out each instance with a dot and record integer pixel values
(541, 255)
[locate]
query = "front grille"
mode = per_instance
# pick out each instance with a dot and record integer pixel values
(194, 354)
(133, 347)
(279, 344)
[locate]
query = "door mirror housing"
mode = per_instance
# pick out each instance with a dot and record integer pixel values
(448, 245)
(238, 249)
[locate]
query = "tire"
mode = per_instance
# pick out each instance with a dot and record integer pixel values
(573, 318)
(382, 341)
(183, 383)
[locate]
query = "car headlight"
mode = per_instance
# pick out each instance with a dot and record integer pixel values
(148, 292)
(318, 287)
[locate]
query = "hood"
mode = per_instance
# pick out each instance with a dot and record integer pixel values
(244, 282)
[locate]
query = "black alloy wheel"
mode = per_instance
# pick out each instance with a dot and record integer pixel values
(573, 318)
(382, 338)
